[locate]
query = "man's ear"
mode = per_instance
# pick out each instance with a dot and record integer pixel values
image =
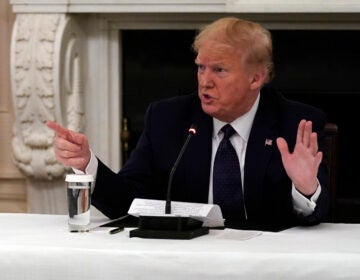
(257, 79)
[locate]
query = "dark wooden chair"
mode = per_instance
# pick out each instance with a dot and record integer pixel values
(331, 158)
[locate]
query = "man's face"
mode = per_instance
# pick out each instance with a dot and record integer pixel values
(224, 87)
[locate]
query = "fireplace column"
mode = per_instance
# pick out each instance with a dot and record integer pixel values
(46, 78)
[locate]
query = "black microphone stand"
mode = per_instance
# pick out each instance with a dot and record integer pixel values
(170, 227)
(168, 196)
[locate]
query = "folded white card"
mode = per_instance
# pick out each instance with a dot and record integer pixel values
(209, 214)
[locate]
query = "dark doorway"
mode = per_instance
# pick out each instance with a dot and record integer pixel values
(156, 64)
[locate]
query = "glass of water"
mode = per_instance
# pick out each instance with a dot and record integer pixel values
(78, 198)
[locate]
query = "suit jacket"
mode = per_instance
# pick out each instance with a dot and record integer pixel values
(267, 188)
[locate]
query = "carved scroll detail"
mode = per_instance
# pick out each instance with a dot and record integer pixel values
(38, 44)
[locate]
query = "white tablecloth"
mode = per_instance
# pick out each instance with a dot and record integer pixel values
(40, 247)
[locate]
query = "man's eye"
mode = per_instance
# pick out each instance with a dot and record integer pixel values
(200, 67)
(219, 69)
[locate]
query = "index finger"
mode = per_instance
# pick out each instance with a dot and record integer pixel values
(61, 131)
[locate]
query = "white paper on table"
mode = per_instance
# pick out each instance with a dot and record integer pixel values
(235, 234)
(209, 214)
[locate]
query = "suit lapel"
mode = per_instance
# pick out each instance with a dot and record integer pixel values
(261, 145)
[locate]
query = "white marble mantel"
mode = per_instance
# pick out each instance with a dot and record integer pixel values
(189, 6)
(65, 65)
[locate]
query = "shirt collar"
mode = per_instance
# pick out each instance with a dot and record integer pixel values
(242, 124)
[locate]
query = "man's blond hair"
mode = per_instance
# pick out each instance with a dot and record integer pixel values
(252, 41)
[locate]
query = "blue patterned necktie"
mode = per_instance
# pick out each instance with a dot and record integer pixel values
(227, 187)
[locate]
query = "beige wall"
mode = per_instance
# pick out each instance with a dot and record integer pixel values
(12, 183)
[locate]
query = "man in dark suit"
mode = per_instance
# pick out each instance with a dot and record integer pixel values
(278, 142)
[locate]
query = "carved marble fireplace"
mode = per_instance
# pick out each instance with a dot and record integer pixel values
(66, 66)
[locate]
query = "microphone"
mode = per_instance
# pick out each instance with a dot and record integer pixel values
(191, 132)
(171, 227)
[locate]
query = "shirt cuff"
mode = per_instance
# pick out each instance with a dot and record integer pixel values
(303, 205)
(91, 168)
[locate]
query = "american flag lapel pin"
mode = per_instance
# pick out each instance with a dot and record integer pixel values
(268, 142)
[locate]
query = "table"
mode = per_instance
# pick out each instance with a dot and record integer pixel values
(35, 246)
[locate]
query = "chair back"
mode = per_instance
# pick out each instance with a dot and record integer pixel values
(331, 159)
